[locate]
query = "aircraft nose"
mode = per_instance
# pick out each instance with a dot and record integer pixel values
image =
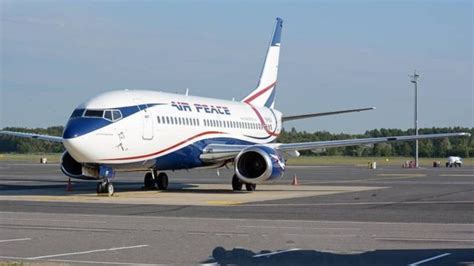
(77, 138)
(77, 127)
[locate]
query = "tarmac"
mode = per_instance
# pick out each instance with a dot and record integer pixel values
(337, 215)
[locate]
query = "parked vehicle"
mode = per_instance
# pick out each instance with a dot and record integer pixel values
(454, 161)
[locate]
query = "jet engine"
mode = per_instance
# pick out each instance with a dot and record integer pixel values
(74, 169)
(70, 167)
(258, 164)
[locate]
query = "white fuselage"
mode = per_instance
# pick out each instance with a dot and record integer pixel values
(164, 130)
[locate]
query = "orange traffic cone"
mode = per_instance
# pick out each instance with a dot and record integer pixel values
(69, 185)
(295, 181)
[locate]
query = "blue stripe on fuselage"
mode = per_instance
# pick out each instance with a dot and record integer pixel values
(188, 157)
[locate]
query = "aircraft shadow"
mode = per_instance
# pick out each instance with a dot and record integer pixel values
(240, 256)
(78, 188)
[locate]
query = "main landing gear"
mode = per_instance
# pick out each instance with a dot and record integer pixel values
(237, 185)
(154, 181)
(105, 187)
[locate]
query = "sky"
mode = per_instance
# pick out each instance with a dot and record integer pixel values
(334, 55)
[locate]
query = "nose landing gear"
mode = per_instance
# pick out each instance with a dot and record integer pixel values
(105, 187)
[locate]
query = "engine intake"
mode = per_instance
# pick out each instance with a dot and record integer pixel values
(258, 164)
(70, 167)
(74, 169)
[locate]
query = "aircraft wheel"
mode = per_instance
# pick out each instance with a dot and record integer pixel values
(162, 181)
(110, 189)
(251, 187)
(100, 188)
(148, 181)
(236, 184)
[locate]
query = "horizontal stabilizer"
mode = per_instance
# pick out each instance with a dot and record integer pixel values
(296, 117)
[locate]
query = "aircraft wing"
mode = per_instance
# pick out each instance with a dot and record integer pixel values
(220, 152)
(32, 136)
(355, 142)
(296, 117)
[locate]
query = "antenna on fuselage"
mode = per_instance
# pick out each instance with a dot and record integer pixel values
(187, 92)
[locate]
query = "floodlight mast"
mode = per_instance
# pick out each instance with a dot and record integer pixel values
(414, 80)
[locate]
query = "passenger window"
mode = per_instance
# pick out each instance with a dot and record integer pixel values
(158, 119)
(167, 120)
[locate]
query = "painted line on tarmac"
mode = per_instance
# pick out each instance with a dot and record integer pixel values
(14, 240)
(296, 227)
(459, 175)
(321, 236)
(86, 252)
(403, 175)
(48, 220)
(223, 202)
(423, 239)
(356, 203)
(104, 262)
(429, 259)
(235, 219)
(382, 177)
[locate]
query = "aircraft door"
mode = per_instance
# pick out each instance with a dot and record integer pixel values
(147, 121)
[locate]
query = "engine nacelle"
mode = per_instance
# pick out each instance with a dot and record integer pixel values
(74, 169)
(258, 164)
(70, 167)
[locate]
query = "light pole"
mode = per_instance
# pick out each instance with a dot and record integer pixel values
(414, 80)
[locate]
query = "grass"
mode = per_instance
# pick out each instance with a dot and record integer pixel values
(304, 160)
(52, 157)
(363, 161)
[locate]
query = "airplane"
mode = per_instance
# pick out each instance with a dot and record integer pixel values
(155, 132)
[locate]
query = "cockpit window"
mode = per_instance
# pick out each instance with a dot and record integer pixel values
(108, 115)
(94, 113)
(77, 113)
(112, 115)
(117, 115)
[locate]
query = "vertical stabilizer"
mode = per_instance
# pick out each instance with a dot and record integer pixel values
(264, 94)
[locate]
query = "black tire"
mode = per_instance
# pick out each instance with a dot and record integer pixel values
(148, 181)
(162, 181)
(218, 253)
(100, 188)
(236, 183)
(250, 187)
(110, 189)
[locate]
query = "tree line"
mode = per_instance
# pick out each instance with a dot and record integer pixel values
(460, 146)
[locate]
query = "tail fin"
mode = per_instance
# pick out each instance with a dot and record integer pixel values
(264, 94)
